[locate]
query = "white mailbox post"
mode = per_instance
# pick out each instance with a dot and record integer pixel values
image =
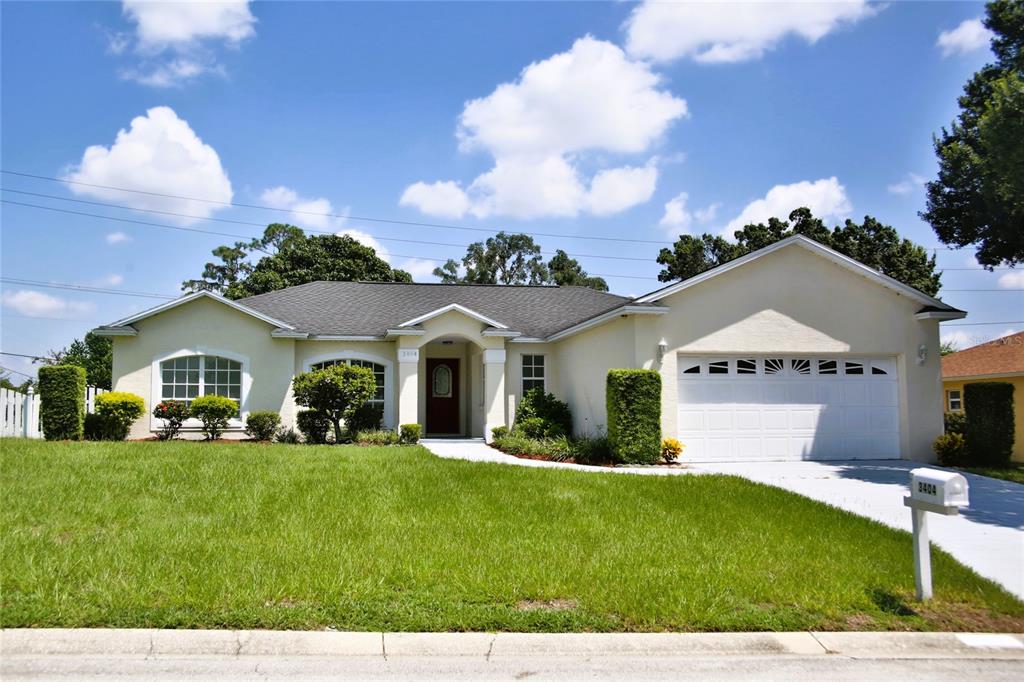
(931, 490)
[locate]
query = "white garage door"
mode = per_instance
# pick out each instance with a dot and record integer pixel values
(788, 408)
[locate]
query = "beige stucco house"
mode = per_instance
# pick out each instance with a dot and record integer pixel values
(791, 352)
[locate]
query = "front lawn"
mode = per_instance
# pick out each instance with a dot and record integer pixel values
(273, 536)
(1013, 472)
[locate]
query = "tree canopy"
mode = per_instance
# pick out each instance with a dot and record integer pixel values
(876, 245)
(290, 257)
(95, 354)
(978, 197)
(516, 259)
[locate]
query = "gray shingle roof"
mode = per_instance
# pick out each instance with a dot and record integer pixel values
(371, 308)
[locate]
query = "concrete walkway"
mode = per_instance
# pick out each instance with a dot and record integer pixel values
(260, 654)
(988, 536)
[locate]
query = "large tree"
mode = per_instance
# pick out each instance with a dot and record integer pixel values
(516, 259)
(567, 272)
(95, 354)
(870, 242)
(978, 197)
(290, 257)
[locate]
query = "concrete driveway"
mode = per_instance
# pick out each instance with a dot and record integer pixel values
(988, 536)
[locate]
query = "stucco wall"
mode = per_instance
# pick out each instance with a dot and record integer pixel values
(206, 327)
(1018, 407)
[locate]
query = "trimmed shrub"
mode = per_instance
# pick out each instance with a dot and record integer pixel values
(535, 427)
(214, 411)
(554, 449)
(377, 438)
(174, 413)
(633, 402)
(262, 425)
(670, 450)
(287, 436)
(955, 422)
(409, 434)
(536, 404)
(499, 432)
(950, 449)
(98, 427)
(595, 450)
(120, 409)
(313, 425)
(367, 417)
(62, 394)
(337, 392)
(988, 435)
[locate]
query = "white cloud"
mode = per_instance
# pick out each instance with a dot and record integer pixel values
(111, 280)
(117, 238)
(419, 268)
(37, 304)
(445, 199)
(318, 214)
(592, 98)
(969, 36)
(367, 239)
(826, 198)
(1012, 280)
(710, 32)
(907, 185)
(176, 40)
(679, 219)
(160, 25)
(962, 339)
(159, 154)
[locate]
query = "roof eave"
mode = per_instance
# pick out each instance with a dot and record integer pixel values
(952, 314)
(622, 311)
(111, 330)
(453, 307)
(188, 298)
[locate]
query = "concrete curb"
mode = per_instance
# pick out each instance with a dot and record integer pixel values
(505, 645)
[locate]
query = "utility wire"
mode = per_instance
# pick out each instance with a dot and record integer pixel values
(81, 287)
(22, 355)
(311, 230)
(975, 324)
(14, 371)
(408, 223)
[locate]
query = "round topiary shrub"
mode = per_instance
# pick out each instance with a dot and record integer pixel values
(313, 426)
(262, 425)
(214, 411)
(409, 434)
(120, 409)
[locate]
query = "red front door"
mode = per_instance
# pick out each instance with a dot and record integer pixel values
(443, 396)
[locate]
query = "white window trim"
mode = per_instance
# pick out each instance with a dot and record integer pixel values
(544, 378)
(959, 399)
(389, 383)
(156, 386)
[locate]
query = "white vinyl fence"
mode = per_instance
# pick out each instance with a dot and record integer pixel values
(19, 412)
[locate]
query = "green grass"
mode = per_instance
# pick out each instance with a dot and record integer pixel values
(1014, 472)
(272, 536)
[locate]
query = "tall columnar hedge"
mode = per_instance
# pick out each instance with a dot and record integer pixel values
(633, 402)
(62, 396)
(988, 433)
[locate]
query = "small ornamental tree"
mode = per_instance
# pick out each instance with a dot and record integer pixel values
(173, 413)
(337, 392)
(214, 411)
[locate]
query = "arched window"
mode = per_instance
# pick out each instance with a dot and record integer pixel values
(378, 374)
(188, 377)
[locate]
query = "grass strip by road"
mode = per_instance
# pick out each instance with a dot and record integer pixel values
(196, 535)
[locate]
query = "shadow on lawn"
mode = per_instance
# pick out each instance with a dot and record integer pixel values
(993, 501)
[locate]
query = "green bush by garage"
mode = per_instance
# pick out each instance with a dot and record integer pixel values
(633, 403)
(988, 428)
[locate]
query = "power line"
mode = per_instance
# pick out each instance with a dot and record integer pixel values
(22, 355)
(5, 316)
(311, 230)
(408, 223)
(14, 371)
(80, 287)
(975, 324)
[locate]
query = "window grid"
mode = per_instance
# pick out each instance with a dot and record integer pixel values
(187, 378)
(533, 372)
(954, 401)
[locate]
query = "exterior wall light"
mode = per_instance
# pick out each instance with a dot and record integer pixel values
(922, 354)
(662, 349)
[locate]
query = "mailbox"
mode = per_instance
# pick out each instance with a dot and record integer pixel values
(941, 488)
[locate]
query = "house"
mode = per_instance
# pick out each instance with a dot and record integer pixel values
(998, 360)
(790, 352)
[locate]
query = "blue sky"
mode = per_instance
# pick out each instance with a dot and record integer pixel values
(589, 119)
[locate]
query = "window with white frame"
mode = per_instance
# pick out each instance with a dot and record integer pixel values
(954, 401)
(376, 368)
(533, 372)
(186, 378)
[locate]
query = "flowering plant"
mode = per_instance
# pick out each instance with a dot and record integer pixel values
(174, 413)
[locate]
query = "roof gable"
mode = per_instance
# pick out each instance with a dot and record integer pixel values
(936, 308)
(123, 327)
(453, 307)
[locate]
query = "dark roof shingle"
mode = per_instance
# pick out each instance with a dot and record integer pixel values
(371, 308)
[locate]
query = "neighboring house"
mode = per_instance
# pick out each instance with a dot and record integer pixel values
(998, 360)
(791, 352)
